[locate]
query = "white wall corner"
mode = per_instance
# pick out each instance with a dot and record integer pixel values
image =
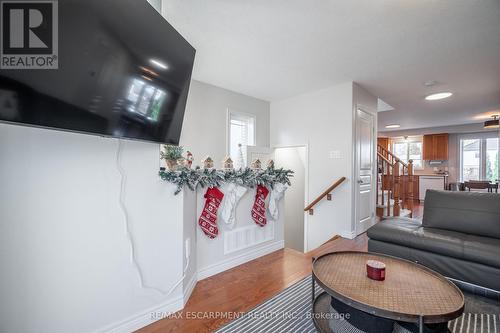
(190, 287)
(241, 259)
(348, 234)
(145, 318)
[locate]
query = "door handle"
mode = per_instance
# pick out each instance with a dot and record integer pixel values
(360, 181)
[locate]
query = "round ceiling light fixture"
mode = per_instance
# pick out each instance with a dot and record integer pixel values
(492, 123)
(438, 96)
(393, 126)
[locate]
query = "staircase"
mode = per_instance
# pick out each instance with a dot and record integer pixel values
(394, 185)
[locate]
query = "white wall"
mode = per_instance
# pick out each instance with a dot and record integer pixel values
(294, 158)
(64, 253)
(205, 122)
(211, 258)
(204, 132)
(323, 120)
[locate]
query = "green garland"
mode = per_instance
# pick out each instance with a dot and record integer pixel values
(201, 178)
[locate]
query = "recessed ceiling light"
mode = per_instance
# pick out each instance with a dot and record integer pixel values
(393, 126)
(158, 63)
(441, 95)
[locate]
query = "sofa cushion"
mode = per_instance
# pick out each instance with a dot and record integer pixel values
(396, 230)
(468, 212)
(444, 242)
(484, 250)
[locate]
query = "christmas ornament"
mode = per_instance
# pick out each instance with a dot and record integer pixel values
(188, 162)
(171, 155)
(259, 206)
(240, 160)
(276, 194)
(256, 164)
(202, 178)
(208, 217)
(270, 164)
(227, 163)
(208, 163)
(232, 195)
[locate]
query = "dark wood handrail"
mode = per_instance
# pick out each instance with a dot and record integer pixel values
(384, 158)
(324, 194)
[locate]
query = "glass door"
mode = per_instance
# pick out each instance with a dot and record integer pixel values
(491, 164)
(470, 159)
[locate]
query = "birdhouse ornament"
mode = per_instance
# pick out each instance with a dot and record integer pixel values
(188, 162)
(270, 164)
(256, 164)
(208, 163)
(227, 163)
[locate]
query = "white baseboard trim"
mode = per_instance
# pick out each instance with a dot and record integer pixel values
(241, 259)
(190, 287)
(348, 234)
(144, 318)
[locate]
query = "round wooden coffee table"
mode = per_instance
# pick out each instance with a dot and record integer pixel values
(410, 293)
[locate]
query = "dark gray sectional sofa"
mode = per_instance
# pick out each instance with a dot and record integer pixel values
(459, 237)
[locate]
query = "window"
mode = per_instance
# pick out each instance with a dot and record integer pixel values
(241, 131)
(479, 158)
(409, 149)
(145, 99)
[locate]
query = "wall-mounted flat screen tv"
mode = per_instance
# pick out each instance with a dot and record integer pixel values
(121, 70)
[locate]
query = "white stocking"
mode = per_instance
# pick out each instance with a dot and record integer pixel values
(232, 195)
(276, 194)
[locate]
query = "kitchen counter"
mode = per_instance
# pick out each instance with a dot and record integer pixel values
(431, 182)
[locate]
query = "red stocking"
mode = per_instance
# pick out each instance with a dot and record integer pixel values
(208, 217)
(259, 206)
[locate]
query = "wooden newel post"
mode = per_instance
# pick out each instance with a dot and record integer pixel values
(396, 189)
(410, 187)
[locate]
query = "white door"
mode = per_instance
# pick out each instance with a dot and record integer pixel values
(365, 171)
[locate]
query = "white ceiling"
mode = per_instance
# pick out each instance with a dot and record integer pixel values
(280, 48)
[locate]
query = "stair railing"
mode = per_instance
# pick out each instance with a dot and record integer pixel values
(396, 181)
(326, 194)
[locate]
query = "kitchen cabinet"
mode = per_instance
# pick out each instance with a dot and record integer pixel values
(384, 142)
(435, 147)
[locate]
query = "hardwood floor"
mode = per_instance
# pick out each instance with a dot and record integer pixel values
(243, 287)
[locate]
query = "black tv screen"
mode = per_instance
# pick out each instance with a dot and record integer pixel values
(122, 70)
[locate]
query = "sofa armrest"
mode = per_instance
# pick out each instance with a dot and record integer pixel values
(397, 230)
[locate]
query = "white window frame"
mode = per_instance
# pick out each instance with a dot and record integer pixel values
(230, 113)
(417, 138)
(482, 151)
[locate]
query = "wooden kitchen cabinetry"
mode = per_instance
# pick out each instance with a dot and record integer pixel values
(384, 142)
(435, 147)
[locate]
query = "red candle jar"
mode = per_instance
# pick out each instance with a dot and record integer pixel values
(375, 270)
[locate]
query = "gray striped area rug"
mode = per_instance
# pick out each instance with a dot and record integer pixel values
(290, 311)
